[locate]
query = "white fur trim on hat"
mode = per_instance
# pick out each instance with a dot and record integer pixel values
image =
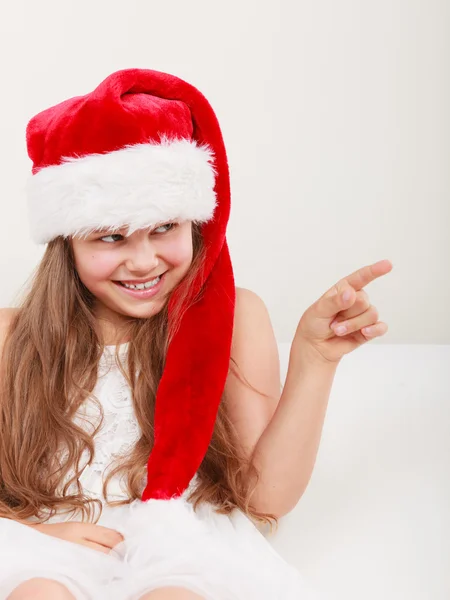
(138, 186)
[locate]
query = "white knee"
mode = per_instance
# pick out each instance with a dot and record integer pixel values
(39, 588)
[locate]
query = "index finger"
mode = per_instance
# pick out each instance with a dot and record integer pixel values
(366, 275)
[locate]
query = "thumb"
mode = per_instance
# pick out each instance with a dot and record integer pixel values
(339, 297)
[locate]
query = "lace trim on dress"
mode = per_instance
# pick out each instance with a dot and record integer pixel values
(119, 432)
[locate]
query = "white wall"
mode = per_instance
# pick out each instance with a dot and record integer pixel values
(336, 120)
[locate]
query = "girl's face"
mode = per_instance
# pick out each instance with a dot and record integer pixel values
(106, 261)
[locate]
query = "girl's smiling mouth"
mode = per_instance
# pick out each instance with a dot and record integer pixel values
(142, 290)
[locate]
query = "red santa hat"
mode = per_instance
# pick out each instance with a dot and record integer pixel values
(144, 148)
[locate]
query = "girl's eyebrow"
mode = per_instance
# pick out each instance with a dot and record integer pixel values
(124, 230)
(109, 231)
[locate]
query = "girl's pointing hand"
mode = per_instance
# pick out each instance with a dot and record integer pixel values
(342, 319)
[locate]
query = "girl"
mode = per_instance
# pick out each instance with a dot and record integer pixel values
(143, 437)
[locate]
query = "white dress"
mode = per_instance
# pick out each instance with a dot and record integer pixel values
(166, 543)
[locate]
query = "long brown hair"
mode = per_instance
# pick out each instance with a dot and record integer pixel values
(49, 368)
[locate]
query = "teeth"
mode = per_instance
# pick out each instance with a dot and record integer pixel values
(142, 286)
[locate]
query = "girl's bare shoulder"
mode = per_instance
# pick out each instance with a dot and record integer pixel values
(6, 316)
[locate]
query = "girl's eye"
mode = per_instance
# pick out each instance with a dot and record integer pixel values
(118, 235)
(171, 225)
(114, 235)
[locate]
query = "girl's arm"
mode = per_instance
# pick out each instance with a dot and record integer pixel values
(286, 451)
(339, 322)
(255, 351)
(282, 434)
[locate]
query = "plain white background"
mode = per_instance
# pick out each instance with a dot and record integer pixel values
(335, 116)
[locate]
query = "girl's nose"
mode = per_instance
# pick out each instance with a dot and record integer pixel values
(141, 257)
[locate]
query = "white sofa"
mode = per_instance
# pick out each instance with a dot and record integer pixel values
(374, 522)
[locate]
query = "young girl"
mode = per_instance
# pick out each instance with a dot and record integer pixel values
(143, 437)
